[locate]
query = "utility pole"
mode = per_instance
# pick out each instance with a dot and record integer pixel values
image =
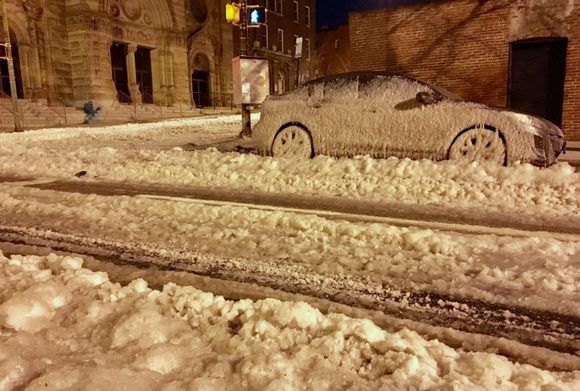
(246, 109)
(9, 59)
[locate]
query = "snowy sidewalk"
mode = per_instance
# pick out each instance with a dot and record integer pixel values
(572, 154)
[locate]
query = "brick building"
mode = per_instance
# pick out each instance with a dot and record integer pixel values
(522, 54)
(333, 51)
(163, 56)
(286, 20)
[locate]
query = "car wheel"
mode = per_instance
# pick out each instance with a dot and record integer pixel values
(479, 144)
(292, 141)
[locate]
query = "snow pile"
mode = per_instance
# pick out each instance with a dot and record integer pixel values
(147, 154)
(521, 189)
(450, 262)
(65, 327)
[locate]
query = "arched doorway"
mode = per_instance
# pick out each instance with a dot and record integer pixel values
(4, 77)
(200, 81)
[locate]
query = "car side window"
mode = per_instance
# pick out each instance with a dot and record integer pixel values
(344, 90)
(372, 87)
(315, 90)
(406, 89)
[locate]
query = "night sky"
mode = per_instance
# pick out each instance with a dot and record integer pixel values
(335, 12)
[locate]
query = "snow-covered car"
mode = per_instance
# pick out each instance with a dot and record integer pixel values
(392, 115)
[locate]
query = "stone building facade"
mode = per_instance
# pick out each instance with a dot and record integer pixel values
(159, 52)
(523, 54)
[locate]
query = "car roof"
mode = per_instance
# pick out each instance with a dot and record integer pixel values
(366, 75)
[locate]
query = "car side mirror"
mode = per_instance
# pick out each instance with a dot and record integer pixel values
(428, 98)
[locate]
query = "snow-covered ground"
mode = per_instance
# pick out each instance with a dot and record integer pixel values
(489, 267)
(63, 327)
(155, 153)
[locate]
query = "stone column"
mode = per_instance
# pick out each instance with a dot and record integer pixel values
(158, 73)
(34, 12)
(132, 74)
(170, 78)
(25, 71)
(34, 67)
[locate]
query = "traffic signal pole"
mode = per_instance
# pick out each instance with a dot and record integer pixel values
(11, 76)
(246, 109)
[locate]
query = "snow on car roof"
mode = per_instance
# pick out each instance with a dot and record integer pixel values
(368, 76)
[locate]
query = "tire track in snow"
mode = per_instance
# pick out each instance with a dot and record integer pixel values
(555, 331)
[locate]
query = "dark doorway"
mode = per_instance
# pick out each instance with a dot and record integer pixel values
(537, 73)
(119, 71)
(143, 69)
(200, 88)
(5, 79)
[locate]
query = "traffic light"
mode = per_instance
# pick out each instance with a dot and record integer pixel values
(233, 13)
(256, 15)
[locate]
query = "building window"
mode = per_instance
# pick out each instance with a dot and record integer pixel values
(281, 40)
(296, 13)
(336, 43)
(307, 48)
(278, 6)
(307, 15)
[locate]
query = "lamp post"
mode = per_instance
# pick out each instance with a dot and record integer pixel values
(8, 56)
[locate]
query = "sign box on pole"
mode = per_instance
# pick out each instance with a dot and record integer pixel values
(298, 47)
(251, 80)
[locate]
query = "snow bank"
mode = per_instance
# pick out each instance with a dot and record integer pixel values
(99, 335)
(483, 266)
(136, 156)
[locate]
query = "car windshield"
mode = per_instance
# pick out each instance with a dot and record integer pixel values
(442, 91)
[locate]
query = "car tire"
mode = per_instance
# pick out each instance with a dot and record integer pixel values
(479, 143)
(293, 141)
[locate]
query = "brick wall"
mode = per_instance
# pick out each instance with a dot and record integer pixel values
(464, 45)
(571, 118)
(332, 50)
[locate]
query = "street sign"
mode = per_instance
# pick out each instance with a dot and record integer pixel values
(251, 80)
(298, 47)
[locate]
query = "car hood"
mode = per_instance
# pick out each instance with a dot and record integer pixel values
(533, 124)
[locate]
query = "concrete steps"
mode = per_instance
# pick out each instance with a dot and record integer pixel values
(38, 114)
(123, 113)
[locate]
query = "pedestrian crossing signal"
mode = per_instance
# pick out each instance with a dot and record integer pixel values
(256, 15)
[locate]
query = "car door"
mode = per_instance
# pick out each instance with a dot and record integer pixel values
(399, 122)
(337, 116)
